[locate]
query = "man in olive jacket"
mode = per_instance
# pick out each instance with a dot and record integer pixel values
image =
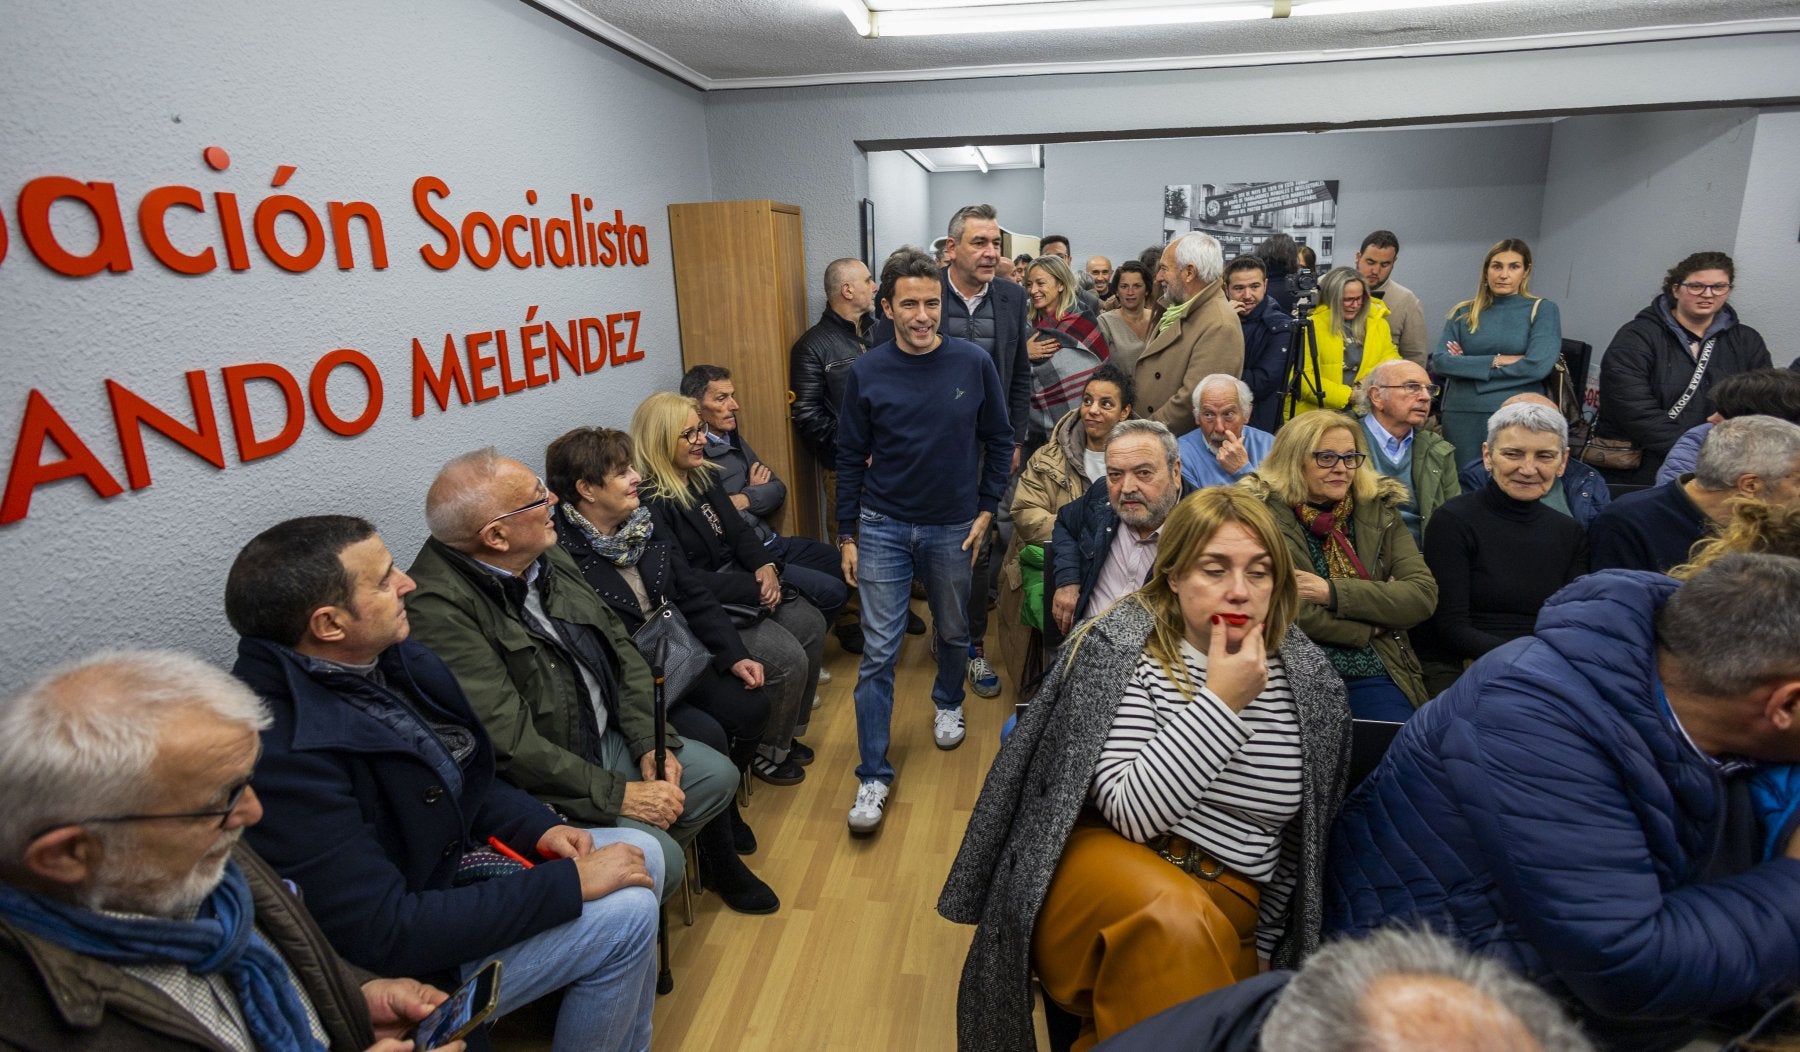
(547, 666)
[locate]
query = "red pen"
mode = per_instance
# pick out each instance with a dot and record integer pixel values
(494, 842)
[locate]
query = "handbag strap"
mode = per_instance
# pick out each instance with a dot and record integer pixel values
(1687, 396)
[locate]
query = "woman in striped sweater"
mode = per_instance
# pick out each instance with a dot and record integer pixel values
(1155, 827)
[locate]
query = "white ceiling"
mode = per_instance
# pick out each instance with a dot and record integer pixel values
(722, 44)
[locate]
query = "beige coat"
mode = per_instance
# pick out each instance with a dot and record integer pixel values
(1206, 339)
(1050, 479)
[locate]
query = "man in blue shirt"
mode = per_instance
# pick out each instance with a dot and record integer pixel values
(924, 448)
(1223, 447)
(1396, 398)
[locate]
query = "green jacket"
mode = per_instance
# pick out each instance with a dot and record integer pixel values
(1434, 473)
(1399, 594)
(526, 691)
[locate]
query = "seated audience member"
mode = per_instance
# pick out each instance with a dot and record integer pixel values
(1576, 807)
(1394, 403)
(1390, 991)
(1580, 493)
(1654, 359)
(1406, 315)
(379, 799)
(1223, 447)
(130, 915)
(612, 539)
(1055, 476)
(1268, 331)
(1773, 529)
(691, 511)
(1154, 828)
(1095, 561)
(807, 564)
(1197, 335)
(1065, 346)
(547, 667)
(1127, 325)
(1350, 337)
(1499, 553)
(1362, 580)
(1759, 392)
(1748, 456)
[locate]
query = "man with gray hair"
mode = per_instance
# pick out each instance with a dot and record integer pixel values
(1393, 991)
(1094, 561)
(1223, 447)
(1198, 334)
(1394, 401)
(131, 916)
(548, 667)
(1753, 457)
(1585, 806)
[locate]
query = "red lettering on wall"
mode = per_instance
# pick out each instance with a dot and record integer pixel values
(151, 214)
(28, 471)
(341, 213)
(450, 371)
(321, 406)
(110, 252)
(131, 413)
(479, 364)
(237, 399)
(426, 187)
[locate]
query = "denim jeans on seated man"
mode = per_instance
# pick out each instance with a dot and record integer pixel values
(890, 554)
(604, 962)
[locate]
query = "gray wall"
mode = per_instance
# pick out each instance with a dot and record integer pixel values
(901, 191)
(802, 144)
(491, 96)
(1768, 235)
(1629, 194)
(1447, 193)
(1017, 194)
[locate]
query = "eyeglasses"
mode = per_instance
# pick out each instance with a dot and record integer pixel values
(1326, 458)
(232, 799)
(1411, 388)
(693, 436)
(1702, 289)
(543, 502)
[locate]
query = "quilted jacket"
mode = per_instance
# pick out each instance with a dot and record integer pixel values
(1548, 811)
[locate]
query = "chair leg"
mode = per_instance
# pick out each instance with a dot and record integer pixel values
(745, 787)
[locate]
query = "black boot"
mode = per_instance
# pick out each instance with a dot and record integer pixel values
(721, 870)
(743, 838)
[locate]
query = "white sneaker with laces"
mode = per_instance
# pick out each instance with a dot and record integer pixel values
(866, 813)
(982, 679)
(947, 727)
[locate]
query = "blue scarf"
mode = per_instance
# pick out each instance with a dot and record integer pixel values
(223, 939)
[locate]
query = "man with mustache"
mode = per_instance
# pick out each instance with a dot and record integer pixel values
(1095, 561)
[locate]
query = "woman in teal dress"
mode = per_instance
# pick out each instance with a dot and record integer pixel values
(1503, 342)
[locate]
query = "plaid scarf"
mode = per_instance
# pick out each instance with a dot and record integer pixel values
(1329, 527)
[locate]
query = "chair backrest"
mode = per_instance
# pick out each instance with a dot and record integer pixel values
(1369, 741)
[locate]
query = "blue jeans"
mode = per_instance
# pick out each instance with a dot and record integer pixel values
(604, 961)
(889, 554)
(1378, 698)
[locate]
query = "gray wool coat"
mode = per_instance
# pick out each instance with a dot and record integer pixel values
(1040, 781)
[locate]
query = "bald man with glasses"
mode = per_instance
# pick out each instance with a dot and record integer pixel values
(1394, 401)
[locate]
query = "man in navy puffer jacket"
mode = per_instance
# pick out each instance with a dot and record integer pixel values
(1578, 807)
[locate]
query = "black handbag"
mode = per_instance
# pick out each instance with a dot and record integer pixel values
(686, 658)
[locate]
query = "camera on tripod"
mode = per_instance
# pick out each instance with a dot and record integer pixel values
(1305, 286)
(1303, 379)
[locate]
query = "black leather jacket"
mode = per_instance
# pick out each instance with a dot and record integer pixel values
(818, 367)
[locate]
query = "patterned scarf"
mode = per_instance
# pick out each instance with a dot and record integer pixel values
(623, 548)
(222, 940)
(1329, 527)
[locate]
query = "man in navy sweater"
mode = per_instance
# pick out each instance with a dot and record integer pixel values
(924, 446)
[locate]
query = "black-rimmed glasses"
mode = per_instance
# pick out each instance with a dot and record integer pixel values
(1700, 288)
(1327, 458)
(232, 799)
(693, 436)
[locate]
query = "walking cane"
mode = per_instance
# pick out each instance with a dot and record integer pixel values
(659, 712)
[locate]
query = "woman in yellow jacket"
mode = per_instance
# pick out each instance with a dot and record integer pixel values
(1351, 334)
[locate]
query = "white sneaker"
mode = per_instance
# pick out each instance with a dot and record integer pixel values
(947, 727)
(865, 814)
(982, 679)
(824, 676)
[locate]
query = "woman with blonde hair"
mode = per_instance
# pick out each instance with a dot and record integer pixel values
(1350, 335)
(1065, 348)
(780, 627)
(1362, 580)
(1155, 826)
(1502, 342)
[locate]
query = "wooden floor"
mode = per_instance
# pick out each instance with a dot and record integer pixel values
(857, 957)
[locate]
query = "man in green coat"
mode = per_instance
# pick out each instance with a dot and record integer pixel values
(1395, 400)
(547, 666)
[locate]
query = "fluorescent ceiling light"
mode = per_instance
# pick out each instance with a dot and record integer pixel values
(893, 20)
(980, 159)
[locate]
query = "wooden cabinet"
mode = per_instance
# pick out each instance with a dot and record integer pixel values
(740, 291)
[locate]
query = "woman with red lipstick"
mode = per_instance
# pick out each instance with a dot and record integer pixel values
(1362, 580)
(1155, 826)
